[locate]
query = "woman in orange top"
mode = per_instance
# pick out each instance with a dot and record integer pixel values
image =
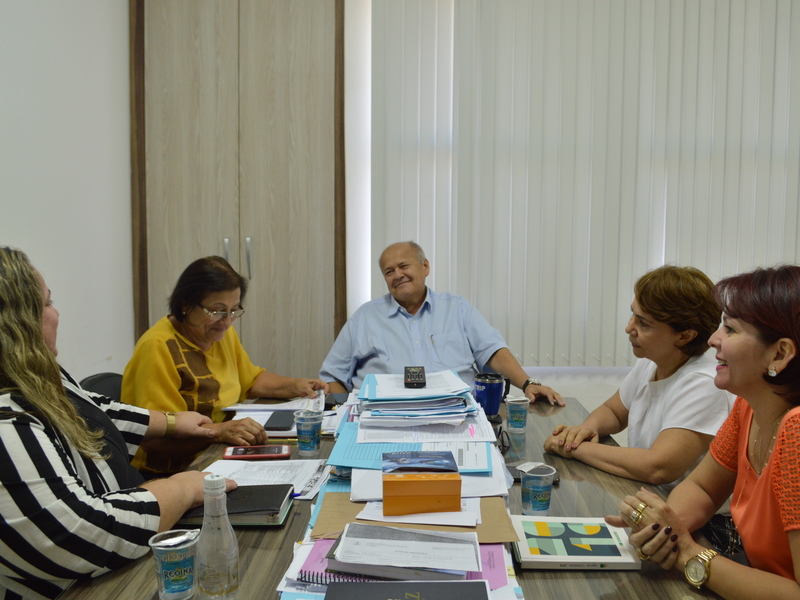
(754, 459)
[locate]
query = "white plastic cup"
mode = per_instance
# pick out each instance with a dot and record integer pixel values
(309, 427)
(537, 487)
(516, 414)
(174, 553)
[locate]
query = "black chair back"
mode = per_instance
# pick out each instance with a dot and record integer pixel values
(107, 384)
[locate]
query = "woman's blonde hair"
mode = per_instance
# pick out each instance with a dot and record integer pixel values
(27, 367)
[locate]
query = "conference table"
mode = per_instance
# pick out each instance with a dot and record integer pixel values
(265, 553)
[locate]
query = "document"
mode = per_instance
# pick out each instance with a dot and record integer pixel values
(473, 429)
(380, 545)
(471, 457)
(307, 476)
(317, 403)
(438, 385)
(469, 516)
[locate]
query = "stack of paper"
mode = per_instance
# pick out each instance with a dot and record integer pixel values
(386, 402)
(391, 553)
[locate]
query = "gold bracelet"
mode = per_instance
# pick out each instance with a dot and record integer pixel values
(172, 422)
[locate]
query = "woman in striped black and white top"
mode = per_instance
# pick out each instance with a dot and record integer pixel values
(71, 505)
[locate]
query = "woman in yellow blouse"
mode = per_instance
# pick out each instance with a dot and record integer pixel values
(192, 359)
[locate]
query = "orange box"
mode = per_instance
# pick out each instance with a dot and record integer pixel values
(409, 493)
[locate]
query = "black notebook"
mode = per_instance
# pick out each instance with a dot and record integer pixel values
(251, 505)
(429, 590)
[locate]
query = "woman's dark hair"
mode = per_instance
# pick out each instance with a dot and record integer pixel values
(201, 278)
(769, 300)
(681, 297)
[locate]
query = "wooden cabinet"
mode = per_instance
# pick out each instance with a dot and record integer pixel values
(239, 160)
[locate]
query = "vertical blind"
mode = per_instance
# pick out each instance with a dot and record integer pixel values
(546, 154)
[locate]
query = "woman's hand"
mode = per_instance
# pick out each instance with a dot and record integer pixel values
(565, 439)
(659, 535)
(179, 493)
(190, 424)
(240, 432)
(193, 482)
(308, 387)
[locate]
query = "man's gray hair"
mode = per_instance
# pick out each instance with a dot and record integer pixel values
(419, 251)
(414, 246)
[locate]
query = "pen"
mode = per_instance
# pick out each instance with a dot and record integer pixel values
(295, 494)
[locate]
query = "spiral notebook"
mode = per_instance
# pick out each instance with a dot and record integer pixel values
(314, 569)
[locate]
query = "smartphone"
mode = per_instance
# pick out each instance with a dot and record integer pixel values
(256, 452)
(280, 420)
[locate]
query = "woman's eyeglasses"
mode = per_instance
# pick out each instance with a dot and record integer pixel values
(218, 315)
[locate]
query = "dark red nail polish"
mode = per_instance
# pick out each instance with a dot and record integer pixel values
(656, 526)
(674, 548)
(668, 530)
(674, 538)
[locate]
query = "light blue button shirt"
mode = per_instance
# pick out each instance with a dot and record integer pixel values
(382, 337)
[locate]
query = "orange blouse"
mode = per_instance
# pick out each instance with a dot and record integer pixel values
(763, 507)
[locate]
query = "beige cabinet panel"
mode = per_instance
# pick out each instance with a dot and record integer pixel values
(239, 146)
(192, 153)
(287, 180)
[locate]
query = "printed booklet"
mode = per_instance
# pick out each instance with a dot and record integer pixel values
(572, 543)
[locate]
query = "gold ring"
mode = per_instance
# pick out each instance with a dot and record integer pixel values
(642, 555)
(641, 507)
(636, 517)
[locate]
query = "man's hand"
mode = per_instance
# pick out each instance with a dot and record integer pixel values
(534, 392)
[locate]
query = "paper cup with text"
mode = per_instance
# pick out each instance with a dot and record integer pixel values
(537, 487)
(516, 414)
(174, 554)
(309, 426)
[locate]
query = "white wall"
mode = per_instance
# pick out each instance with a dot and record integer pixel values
(65, 167)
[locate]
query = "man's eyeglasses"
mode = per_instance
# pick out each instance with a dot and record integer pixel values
(218, 315)
(502, 441)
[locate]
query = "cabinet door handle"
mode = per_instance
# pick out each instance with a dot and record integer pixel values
(226, 243)
(247, 245)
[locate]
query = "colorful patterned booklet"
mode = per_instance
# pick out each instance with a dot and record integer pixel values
(572, 543)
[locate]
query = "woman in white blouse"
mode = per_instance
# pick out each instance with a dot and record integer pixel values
(668, 402)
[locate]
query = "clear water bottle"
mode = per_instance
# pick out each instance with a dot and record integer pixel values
(217, 546)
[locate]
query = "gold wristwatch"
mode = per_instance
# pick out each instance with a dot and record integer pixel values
(698, 568)
(172, 422)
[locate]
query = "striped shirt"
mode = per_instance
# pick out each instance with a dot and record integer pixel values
(64, 516)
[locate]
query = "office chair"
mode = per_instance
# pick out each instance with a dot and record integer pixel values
(107, 384)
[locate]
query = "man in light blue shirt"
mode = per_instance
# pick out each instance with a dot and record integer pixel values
(414, 326)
